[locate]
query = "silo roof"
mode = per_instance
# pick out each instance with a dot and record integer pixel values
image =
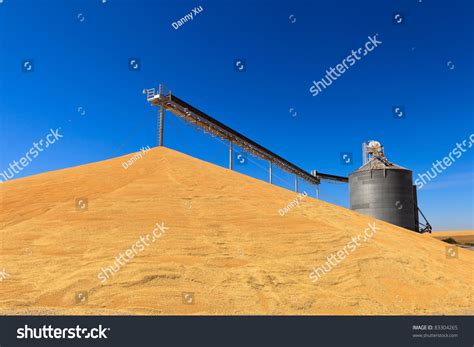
(379, 163)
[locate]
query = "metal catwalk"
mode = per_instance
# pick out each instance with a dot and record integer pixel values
(167, 101)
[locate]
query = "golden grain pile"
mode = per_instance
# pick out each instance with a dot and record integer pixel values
(226, 250)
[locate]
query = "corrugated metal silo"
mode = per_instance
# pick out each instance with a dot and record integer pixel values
(384, 191)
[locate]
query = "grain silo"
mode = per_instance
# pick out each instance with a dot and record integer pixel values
(383, 190)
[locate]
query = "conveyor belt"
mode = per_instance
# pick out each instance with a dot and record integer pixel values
(182, 109)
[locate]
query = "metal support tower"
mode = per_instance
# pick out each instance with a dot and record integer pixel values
(161, 126)
(270, 171)
(230, 155)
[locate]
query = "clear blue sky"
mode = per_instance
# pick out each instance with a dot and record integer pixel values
(80, 53)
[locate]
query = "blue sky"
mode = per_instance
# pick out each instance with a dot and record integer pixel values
(81, 82)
